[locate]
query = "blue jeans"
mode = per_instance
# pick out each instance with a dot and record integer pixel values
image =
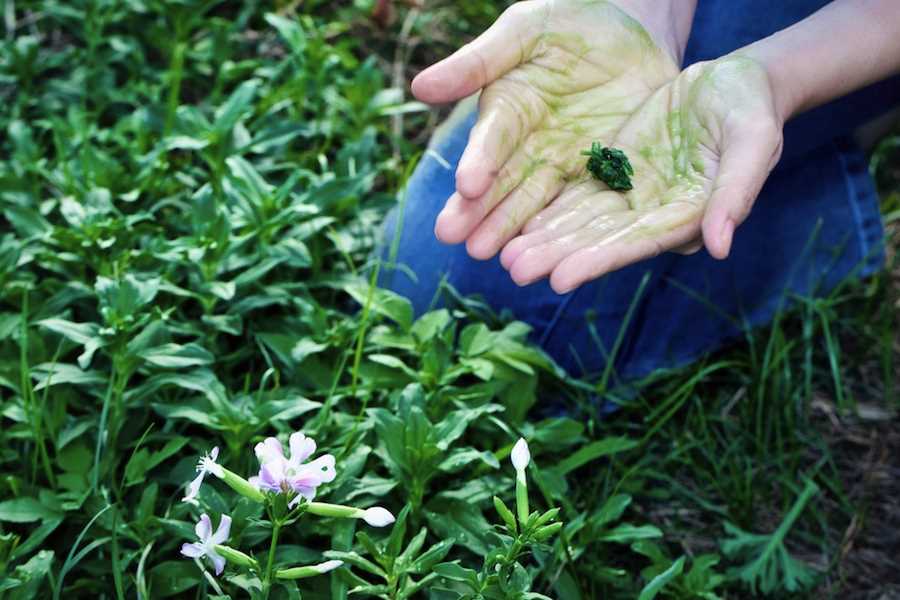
(816, 222)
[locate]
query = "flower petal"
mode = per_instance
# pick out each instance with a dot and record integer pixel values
(194, 550)
(214, 454)
(221, 534)
(217, 561)
(271, 475)
(269, 450)
(324, 466)
(302, 447)
(193, 488)
(203, 529)
(300, 496)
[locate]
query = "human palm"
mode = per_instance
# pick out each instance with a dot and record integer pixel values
(557, 75)
(701, 147)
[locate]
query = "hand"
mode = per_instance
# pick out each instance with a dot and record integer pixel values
(701, 148)
(557, 76)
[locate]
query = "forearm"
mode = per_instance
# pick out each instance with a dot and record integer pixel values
(668, 21)
(845, 46)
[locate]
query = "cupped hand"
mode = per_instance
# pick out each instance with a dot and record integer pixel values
(556, 75)
(701, 148)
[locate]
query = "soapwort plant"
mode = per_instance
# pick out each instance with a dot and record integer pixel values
(286, 486)
(502, 575)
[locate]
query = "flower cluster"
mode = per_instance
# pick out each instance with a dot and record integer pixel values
(285, 475)
(287, 486)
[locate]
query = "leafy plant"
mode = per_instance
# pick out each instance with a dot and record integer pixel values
(769, 564)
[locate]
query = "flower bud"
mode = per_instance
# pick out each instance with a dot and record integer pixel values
(323, 509)
(309, 571)
(236, 557)
(547, 531)
(241, 485)
(547, 517)
(505, 514)
(520, 455)
(378, 516)
(375, 516)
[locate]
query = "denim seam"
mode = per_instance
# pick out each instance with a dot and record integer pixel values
(551, 326)
(851, 198)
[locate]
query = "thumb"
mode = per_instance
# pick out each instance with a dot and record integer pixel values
(507, 43)
(748, 156)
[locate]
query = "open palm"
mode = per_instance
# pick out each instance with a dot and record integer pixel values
(701, 146)
(556, 75)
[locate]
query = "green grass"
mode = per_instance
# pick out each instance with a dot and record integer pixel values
(190, 193)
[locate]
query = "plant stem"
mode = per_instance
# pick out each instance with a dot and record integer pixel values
(270, 563)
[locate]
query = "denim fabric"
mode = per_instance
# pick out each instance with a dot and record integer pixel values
(816, 222)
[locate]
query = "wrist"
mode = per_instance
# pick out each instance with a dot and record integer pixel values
(787, 89)
(667, 21)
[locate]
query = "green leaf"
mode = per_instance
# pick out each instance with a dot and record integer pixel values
(612, 510)
(593, 451)
(177, 356)
(384, 302)
(80, 333)
(237, 105)
(173, 577)
(51, 374)
(462, 457)
(289, 30)
(429, 325)
(770, 565)
(455, 572)
(143, 460)
(425, 562)
(26, 510)
(660, 581)
(124, 298)
(627, 533)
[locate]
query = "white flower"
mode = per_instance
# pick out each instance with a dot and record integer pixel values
(328, 565)
(282, 475)
(520, 455)
(378, 516)
(206, 464)
(208, 541)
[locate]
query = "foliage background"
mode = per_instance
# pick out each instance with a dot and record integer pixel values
(190, 194)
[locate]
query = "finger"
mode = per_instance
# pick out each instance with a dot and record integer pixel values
(589, 206)
(571, 200)
(748, 156)
(540, 260)
(507, 111)
(691, 247)
(504, 45)
(461, 216)
(536, 191)
(655, 231)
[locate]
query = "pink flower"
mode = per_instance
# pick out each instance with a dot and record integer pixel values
(208, 541)
(280, 474)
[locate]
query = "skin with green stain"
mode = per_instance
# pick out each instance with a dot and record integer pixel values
(586, 67)
(676, 141)
(576, 72)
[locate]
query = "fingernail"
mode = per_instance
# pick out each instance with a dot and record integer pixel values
(727, 234)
